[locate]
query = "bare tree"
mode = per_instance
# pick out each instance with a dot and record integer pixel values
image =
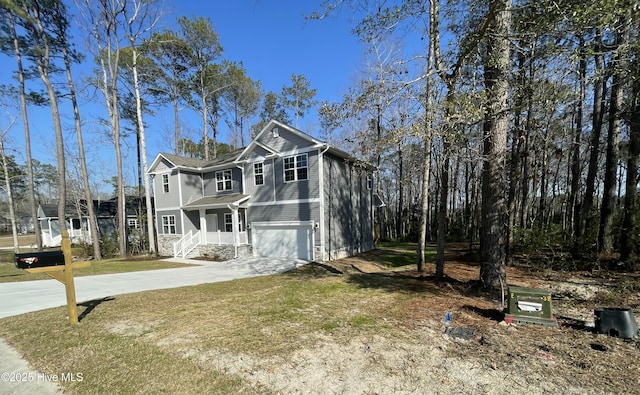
(140, 18)
(103, 19)
(7, 183)
(605, 237)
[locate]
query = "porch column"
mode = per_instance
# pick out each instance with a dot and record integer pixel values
(234, 226)
(203, 226)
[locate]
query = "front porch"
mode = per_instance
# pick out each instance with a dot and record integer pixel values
(207, 243)
(215, 225)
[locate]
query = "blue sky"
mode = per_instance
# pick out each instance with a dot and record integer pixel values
(271, 38)
(274, 40)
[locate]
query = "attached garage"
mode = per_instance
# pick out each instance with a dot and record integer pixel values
(283, 239)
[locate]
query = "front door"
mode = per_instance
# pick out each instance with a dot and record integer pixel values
(212, 222)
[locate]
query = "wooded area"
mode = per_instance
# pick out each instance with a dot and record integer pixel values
(514, 126)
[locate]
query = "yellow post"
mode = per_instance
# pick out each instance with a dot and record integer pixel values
(68, 278)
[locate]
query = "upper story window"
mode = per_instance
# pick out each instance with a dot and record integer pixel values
(165, 183)
(295, 168)
(369, 182)
(258, 174)
(223, 180)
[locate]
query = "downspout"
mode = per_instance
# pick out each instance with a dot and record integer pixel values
(330, 204)
(241, 177)
(321, 187)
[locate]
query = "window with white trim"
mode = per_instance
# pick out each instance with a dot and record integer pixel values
(369, 182)
(258, 174)
(223, 180)
(228, 222)
(295, 168)
(165, 183)
(169, 224)
(133, 223)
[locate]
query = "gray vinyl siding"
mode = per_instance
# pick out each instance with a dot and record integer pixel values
(163, 166)
(258, 152)
(191, 187)
(274, 181)
(297, 190)
(264, 192)
(161, 213)
(162, 199)
(348, 209)
(191, 221)
(210, 182)
(286, 142)
(284, 212)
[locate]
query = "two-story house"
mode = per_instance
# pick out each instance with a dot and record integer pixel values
(284, 195)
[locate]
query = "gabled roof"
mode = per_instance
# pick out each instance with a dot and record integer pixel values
(241, 155)
(273, 123)
(102, 208)
(219, 201)
(182, 162)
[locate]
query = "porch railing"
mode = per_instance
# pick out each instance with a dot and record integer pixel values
(186, 244)
(226, 238)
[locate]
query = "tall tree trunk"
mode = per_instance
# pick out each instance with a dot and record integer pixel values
(605, 236)
(143, 149)
(444, 180)
(205, 111)
(542, 206)
(33, 204)
(424, 206)
(176, 125)
(629, 224)
(494, 210)
(43, 64)
(574, 207)
(442, 210)
(599, 93)
(7, 183)
(93, 222)
(399, 220)
(516, 149)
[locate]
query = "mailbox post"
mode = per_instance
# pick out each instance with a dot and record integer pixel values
(50, 264)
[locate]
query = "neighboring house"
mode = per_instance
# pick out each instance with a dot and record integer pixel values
(77, 219)
(285, 195)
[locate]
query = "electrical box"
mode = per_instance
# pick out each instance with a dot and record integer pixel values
(529, 306)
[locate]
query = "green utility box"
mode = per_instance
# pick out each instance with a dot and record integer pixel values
(529, 306)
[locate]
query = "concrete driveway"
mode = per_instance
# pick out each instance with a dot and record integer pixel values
(18, 298)
(23, 297)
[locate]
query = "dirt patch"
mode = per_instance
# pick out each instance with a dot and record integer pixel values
(420, 357)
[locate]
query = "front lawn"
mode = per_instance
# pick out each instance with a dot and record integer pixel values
(9, 272)
(319, 329)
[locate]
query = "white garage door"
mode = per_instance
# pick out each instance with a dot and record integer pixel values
(283, 239)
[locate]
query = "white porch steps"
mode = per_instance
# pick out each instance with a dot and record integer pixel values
(186, 244)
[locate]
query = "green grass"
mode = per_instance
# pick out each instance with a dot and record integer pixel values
(397, 254)
(160, 341)
(9, 273)
(23, 240)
